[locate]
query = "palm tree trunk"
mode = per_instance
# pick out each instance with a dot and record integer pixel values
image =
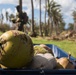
(48, 17)
(51, 26)
(32, 27)
(56, 28)
(46, 33)
(75, 25)
(40, 28)
(33, 34)
(20, 3)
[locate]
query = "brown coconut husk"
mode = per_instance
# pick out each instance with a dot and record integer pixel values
(2, 66)
(64, 63)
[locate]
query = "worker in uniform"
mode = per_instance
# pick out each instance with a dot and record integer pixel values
(21, 19)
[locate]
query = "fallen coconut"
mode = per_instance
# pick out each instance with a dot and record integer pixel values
(38, 49)
(16, 49)
(64, 63)
(47, 48)
(43, 61)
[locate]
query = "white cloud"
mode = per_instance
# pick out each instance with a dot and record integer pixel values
(26, 3)
(3, 12)
(8, 1)
(28, 11)
(66, 6)
(9, 10)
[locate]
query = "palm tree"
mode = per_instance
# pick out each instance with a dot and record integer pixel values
(11, 16)
(48, 16)
(2, 18)
(56, 18)
(74, 17)
(54, 14)
(60, 22)
(46, 33)
(33, 34)
(7, 16)
(50, 26)
(71, 26)
(20, 3)
(40, 29)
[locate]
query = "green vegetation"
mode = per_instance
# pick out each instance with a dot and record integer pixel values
(67, 46)
(1, 32)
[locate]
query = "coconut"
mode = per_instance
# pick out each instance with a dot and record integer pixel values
(16, 49)
(43, 61)
(47, 48)
(64, 63)
(38, 49)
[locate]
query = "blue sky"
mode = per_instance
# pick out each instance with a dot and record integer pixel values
(67, 6)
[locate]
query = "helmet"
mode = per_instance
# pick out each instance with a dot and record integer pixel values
(18, 6)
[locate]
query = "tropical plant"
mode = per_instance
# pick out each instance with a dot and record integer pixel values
(74, 17)
(54, 13)
(20, 3)
(33, 34)
(7, 15)
(1, 18)
(11, 16)
(45, 27)
(40, 28)
(71, 26)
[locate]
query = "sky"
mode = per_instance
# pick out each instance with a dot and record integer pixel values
(67, 6)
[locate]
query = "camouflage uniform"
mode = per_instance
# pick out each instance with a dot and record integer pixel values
(21, 19)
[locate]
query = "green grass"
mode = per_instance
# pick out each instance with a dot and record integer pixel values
(67, 46)
(1, 33)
